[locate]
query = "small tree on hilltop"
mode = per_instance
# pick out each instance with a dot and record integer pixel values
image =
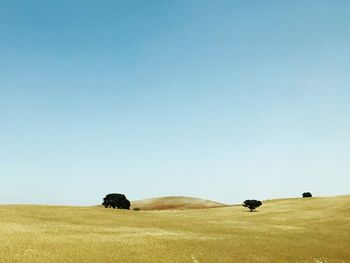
(252, 204)
(116, 201)
(307, 194)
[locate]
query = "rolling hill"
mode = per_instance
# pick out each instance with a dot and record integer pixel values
(312, 230)
(174, 202)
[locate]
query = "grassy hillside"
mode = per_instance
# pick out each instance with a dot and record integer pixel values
(174, 202)
(289, 230)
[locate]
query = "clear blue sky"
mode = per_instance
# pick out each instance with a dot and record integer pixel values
(223, 100)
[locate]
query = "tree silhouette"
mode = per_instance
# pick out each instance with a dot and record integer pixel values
(116, 201)
(307, 194)
(252, 204)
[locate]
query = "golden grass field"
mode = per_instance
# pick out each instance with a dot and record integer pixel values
(174, 202)
(286, 230)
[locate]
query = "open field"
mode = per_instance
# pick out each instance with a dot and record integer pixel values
(286, 230)
(174, 202)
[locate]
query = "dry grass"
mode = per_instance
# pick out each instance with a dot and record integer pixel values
(290, 230)
(175, 202)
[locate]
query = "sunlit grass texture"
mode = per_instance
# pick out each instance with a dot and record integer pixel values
(286, 230)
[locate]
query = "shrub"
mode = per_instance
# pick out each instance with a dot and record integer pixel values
(307, 194)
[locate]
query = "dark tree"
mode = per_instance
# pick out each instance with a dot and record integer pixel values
(124, 204)
(252, 204)
(307, 194)
(116, 201)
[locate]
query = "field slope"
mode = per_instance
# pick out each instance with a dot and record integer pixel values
(288, 230)
(174, 202)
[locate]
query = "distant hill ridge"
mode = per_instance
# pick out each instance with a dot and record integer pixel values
(174, 202)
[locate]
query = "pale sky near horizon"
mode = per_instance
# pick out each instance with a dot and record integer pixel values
(222, 100)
